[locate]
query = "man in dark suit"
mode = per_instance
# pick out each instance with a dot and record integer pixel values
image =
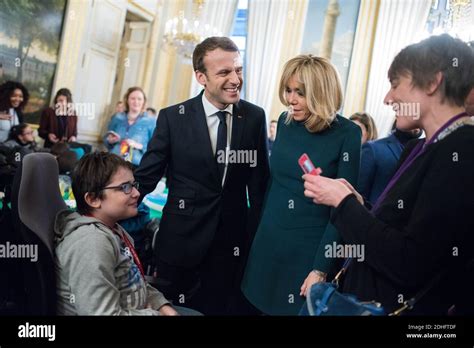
(379, 159)
(214, 150)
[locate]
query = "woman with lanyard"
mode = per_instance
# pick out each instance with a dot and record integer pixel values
(129, 132)
(13, 98)
(420, 229)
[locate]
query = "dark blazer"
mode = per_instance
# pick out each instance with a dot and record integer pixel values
(49, 124)
(197, 204)
(379, 160)
(422, 228)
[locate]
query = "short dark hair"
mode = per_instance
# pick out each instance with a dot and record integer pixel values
(208, 45)
(66, 162)
(16, 131)
(6, 91)
(151, 110)
(273, 121)
(92, 173)
(443, 53)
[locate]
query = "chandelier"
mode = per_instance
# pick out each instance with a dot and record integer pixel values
(456, 20)
(183, 34)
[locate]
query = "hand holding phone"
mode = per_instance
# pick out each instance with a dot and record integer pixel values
(307, 166)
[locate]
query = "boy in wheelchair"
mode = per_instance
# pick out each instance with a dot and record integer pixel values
(99, 272)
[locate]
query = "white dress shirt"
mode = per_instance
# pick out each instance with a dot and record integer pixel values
(213, 125)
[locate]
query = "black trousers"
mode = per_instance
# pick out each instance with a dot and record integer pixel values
(213, 287)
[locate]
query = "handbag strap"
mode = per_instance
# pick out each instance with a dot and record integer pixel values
(321, 305)
(408, 305)
(411, 302)
(339, 274)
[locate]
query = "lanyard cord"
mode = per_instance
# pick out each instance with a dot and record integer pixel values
(129, 245)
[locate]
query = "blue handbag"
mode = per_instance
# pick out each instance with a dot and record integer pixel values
(325, 300)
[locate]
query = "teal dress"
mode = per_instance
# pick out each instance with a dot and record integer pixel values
(293, 231)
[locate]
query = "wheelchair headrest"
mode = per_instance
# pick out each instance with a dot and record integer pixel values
(39, 197)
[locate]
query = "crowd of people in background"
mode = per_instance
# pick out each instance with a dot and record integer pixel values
(240, 239)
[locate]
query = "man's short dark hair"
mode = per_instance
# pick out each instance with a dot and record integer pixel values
(208, 45)
(273, 121)
(92, 173)
(153, 110)
(423, 60)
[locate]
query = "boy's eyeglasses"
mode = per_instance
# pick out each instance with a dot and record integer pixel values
(125, 187)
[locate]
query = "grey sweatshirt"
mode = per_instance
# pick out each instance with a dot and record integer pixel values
(96, 274)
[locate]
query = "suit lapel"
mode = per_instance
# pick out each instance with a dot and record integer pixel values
(202, 131)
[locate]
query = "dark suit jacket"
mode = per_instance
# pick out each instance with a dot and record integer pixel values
(197, 204)
(422, 228)
(378, 164)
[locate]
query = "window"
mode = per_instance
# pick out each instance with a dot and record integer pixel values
(344, 24)
(239, 33)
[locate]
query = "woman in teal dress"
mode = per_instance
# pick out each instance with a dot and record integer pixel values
(289, 248)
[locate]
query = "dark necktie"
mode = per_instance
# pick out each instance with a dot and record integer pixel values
(221, 143)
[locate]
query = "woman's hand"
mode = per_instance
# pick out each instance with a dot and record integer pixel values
(325, 190)
(53, 138)
(134, 144)
(168, 310)
(6, 117)
(112, 138)
(72, 139)
(350, 187)
(312, 278)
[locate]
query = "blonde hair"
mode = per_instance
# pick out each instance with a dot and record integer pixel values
(368, 122)
(321, 86)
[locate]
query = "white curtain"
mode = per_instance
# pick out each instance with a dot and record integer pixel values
(292, 41)
(219, 14)
(400, 23)
(264, 43)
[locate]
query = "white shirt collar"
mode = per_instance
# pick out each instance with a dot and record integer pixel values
(211, 110)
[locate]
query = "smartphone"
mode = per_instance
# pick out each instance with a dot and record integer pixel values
(307, 166)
